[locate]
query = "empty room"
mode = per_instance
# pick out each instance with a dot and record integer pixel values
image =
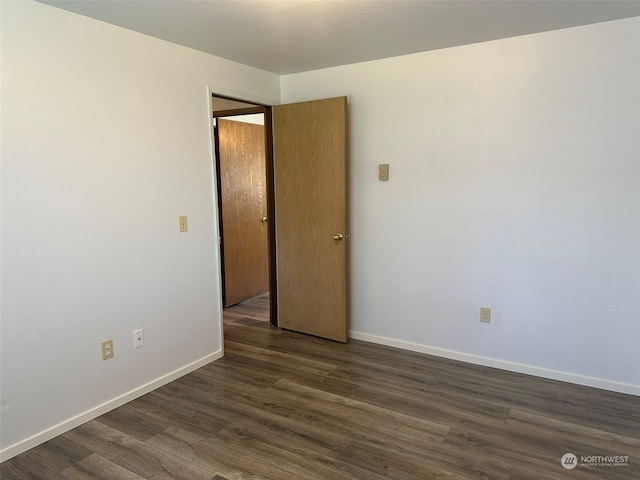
(448, 218)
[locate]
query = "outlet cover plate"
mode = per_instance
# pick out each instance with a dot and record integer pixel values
(107, 349)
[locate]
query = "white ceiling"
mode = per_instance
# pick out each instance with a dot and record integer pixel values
(287, 36)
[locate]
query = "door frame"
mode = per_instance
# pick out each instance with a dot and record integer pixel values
(258, 107)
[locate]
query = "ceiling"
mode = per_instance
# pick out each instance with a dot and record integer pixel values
(288, 36)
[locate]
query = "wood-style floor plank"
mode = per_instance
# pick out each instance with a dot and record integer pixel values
(281, 405)
(96, 467)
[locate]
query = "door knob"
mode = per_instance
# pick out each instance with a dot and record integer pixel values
(338, 236)
(264, 219)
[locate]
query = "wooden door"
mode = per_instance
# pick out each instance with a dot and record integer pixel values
(244, 210)
(310, 173)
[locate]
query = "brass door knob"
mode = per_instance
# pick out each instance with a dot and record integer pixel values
(338, 236)
(264, 219)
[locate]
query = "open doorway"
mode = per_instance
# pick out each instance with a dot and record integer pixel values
(244, 172)
(308, 277)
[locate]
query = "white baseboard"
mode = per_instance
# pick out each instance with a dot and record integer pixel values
(95, 412)
(502, 364)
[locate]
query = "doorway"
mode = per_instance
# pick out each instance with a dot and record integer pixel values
(308, 274)
(244, 165)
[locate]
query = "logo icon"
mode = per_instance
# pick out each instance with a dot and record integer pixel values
(569, 461)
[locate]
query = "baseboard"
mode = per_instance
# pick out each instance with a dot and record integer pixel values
(502, 364)
(95, 412)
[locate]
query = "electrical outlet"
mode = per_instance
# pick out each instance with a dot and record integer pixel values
(107, 349)
(138, 338)
(485, 314)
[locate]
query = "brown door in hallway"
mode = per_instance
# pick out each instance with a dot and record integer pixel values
(244, 210)
(310, 172)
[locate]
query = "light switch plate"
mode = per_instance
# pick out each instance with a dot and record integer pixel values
(182, 219)
(383, 172)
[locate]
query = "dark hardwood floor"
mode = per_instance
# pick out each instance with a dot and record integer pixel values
(280, 405)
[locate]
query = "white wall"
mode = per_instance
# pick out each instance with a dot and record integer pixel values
(514, 184)
(105, 142)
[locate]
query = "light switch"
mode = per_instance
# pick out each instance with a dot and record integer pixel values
(183, 223)
(383, 172)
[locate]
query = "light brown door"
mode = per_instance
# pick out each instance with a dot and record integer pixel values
(244, 210)
(310, 165)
